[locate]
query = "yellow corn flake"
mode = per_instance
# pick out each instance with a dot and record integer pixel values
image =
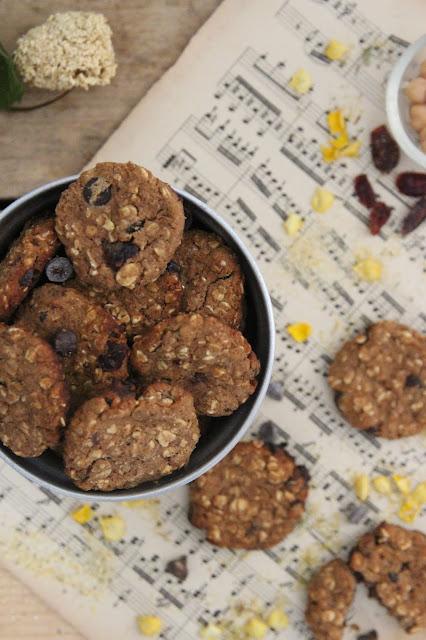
(409, 510)
(382, 485)
(211, 632)
(299, 331)
(149, 625)
(340, 143)
(352, 150)
(322, 200)
(402, 483)
(293, 224)
(83, 514)
(113, 528)
(362, 487)
(336, 122)
(336, 50)
(419, 494)
(256, 628)
(277, 619)
(369, 269)
(301, 81)
(329, 154)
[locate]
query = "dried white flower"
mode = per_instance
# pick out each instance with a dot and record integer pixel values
(71, 49)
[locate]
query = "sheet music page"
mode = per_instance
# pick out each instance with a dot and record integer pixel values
(225, 125)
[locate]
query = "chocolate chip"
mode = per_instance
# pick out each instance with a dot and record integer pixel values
(96, 438)
(65, 343)
(198, 376)
(178, 568)
(413, 381)
(337, 396)
(304, 472)
(117, 253)
(42, 316)
(59, 270)
(275, 390)
(370, 635)
(29, 278)
(97, 191)
(173, 267)
(136, 226)
(268, 432)
(393, 577)
(113, 357)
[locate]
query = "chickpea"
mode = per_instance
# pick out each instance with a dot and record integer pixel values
(416, 90)
(422, 136)
(418, 116)
(423, 69)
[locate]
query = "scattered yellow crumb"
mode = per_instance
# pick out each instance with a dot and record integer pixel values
(293, 224)
(149, 625)
(340, 142)
(369, 269)
(211, 632)
(362, 487)
(352, 150)
(340, 145)
(301, 81)
(134, 504)
(322, 200)
(329, 154)
(336, 50)
(277, 619)
(299, 331)
(402, 483)
(382, 485)
(113, 528)
(83, 514)
(419, 493)
(336, 122)
(409, 510)
(256, 628)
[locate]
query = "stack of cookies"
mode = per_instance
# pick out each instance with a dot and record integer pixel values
(121, 326)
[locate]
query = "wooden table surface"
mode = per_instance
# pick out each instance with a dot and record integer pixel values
(39, 146)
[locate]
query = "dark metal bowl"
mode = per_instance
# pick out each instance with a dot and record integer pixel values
(221, 434)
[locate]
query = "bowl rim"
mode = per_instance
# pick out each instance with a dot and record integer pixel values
(392, 109)
(260, 392)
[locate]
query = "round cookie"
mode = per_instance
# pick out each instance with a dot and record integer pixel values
(212, 277)
(330, 594)
(92, 345)
(252, 499)
(115, 442)
(209, 358)
(120, 225)
(380, 380)
(33, 395)
(392, 562)
(142, 307)
(24, 263)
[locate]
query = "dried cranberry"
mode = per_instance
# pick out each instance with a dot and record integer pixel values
(411, 183)
(113, 357)
(29, 278)
(414, 217)
(379, 215)
(65, 342)
(384, 149)
(59, 270)
(117, 253)
(364, 191)
(97, 191)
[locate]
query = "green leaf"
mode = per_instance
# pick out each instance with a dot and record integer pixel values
(11, 86)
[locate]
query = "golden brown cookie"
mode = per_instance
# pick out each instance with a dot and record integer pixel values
(120, 225)
(117, 442)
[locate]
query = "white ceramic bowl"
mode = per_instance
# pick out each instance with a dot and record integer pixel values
(397, 104)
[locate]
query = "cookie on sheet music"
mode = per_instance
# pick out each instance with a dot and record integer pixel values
(117, 442)
(252, 499)
(33, 394)
(212, 277)
(330, 594)
(380, 380)
(391, 560)
(91, 344)
(209, 358)
(24, 263)
(120, 225)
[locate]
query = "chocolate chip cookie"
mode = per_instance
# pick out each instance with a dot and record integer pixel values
(24, 263)
(120, 225)
(33, 395)
(392, 562)
(209, 358)
(330, 594)
(380, 380)
(252, 499)
(91, 344)
(142, 307)
(115, 442)
(211, 276)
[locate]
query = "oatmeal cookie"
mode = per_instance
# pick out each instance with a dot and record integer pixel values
(392, 562)
(120, 225)
(330, 594)
(209, 358)
(24, 263)
(252, 499)
(33, 395)
(142, 307)
(117, 442)
(211, 276)
(92, 345)
(380, 380)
